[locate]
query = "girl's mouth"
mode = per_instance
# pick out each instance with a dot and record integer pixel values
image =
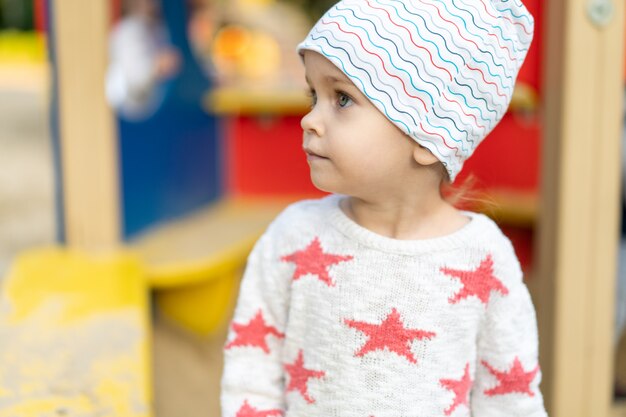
(312, 156)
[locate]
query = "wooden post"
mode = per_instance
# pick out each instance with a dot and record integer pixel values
(579, 214)
(87, 134)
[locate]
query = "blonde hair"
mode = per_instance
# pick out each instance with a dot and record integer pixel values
(467, 195)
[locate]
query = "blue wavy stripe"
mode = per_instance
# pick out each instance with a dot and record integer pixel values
(432, 100)
(482, 116)
(495, 75)
(519, 4)
(480, 27)
(425, 69)
(494, 60)
(484, 93)
(508, 87)
(468, 127)
(477, 98)
(456, 153)
(457, 128)
(522, 16)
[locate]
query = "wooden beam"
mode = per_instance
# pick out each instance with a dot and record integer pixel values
(579, 215)
(87, 134)
(619, 409)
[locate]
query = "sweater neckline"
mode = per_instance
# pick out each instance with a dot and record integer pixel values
(459, 238)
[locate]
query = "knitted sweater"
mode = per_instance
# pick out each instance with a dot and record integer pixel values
(334, 320)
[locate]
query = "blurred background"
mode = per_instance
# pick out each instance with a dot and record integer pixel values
(144, 147)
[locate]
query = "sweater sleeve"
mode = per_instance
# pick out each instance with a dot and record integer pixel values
(507, 370)
(253, 381)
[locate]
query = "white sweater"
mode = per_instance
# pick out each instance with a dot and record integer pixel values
(334, 320)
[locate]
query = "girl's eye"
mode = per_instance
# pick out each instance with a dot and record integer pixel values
(343, 99)
(312, 96)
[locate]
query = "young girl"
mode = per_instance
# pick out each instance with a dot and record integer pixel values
(382, 299)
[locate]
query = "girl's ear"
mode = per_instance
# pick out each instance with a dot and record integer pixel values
(423, 156)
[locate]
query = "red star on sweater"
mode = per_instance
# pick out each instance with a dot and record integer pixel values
(390, 334)
(461, 389)
(248, 411)
(313, 260)
(254, 333)
(299, 377)
(479, 282)
(515, 380)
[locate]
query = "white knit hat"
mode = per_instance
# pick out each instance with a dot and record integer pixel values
(443, 71)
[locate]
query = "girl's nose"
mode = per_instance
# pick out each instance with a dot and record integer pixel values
(312, 123)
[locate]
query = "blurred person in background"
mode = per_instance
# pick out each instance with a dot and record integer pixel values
(141, 60)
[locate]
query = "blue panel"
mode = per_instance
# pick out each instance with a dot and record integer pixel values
(169, 167)
(170, 162)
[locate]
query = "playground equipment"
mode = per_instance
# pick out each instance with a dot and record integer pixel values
(75, 336)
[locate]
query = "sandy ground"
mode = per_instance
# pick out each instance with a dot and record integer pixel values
(187, 372)
(26, 176)
(186, 369)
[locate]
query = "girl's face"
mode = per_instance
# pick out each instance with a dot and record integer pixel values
(351, 147)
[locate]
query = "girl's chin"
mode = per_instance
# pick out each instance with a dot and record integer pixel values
(323, 184)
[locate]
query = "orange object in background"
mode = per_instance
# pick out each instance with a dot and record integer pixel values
(231, 42)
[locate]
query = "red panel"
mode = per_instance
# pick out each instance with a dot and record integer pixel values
(41, 20)
(265, 157)
(508, 157)
(522, 240)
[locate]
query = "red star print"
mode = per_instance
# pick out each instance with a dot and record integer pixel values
(461, 389)
(479, 282)
(248, 411)
(313, 260)
(299, 377)
(515, 380)
(390, 334)
(254, 333)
